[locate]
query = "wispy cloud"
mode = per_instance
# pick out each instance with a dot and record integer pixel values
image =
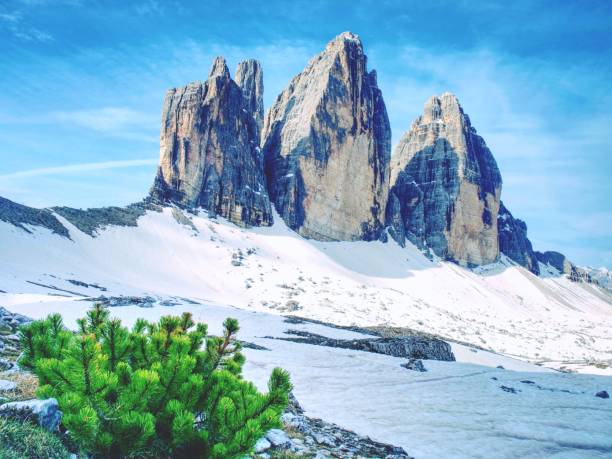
(14, 23)
(78, 168)
(110, 120)
(120, 122)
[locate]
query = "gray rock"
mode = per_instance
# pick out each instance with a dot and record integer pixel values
(262, 445)
(511, 390)
(445, 187)
(45, 412)
(414, 365)
(559, 262)
(278, 438)
(602, 394)
(415, 347)
(326, 143)
(118, 301)
(513, 241)
(6, 386)
(90, 221)
(209, 150)
(249, 76)
(22, 216)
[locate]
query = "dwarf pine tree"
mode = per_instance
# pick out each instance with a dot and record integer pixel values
(165, 386)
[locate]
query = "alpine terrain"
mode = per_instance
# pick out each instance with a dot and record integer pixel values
(406, 301)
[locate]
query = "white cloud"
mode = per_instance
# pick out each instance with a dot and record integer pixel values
(15, 24)
(106, 119)
(77, 168)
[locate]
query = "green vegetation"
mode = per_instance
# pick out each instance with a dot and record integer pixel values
(23, 440)
(164, 387)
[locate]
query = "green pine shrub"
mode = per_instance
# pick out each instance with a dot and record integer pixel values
(164, 387)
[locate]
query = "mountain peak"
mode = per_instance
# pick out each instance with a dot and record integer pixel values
(327, 147)
(219, 68)
(344, 41)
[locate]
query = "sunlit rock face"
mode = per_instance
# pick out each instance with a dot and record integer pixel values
(513, 240)
(445, 186)
(209, 147)
(327, 149)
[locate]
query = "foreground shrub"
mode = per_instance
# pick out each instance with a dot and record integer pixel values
(23, 440)
(165, 385)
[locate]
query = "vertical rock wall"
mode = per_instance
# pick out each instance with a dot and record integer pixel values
(445, 186)
(209, 147)
(327, 147)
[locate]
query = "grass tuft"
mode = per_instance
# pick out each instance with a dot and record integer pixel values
(22, 440)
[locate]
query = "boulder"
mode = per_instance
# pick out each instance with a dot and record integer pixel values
(327, 146)
(278, 438)
(45, 412)
(6, 386)
(262, 445)
(414, 365)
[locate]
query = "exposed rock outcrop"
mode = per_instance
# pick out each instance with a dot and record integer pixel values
(327, 147)
(559, 262)
(315, 438)
(209, 152)
(415, 347)
(513, 241)
(23, 217)
(445, 186)
(249, 76)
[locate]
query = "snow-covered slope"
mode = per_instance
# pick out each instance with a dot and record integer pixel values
(456, 409)
(500, 307)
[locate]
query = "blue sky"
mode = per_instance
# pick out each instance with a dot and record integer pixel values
(82, 82)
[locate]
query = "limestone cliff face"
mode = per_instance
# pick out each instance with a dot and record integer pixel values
(249, 77)
(326, 142)
(445, 186)
(513, 240)
(209, 148)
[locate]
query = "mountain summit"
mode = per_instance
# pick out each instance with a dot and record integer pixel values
(209, 147)
(445, 186)
(327, 146)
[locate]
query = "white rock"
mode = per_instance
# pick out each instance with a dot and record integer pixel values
(278, 438)
(262, 445)
(7, 385)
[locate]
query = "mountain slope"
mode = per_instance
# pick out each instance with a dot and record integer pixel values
(173, 261)
(501, 306)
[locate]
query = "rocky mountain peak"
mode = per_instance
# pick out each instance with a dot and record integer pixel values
(327, 143)
(249, 76)
(344, 41)
(445, 186)
(209, 151)
(219, 68)
(442, 108)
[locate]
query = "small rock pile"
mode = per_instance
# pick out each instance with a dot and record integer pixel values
(314, 438)
(9, 340)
